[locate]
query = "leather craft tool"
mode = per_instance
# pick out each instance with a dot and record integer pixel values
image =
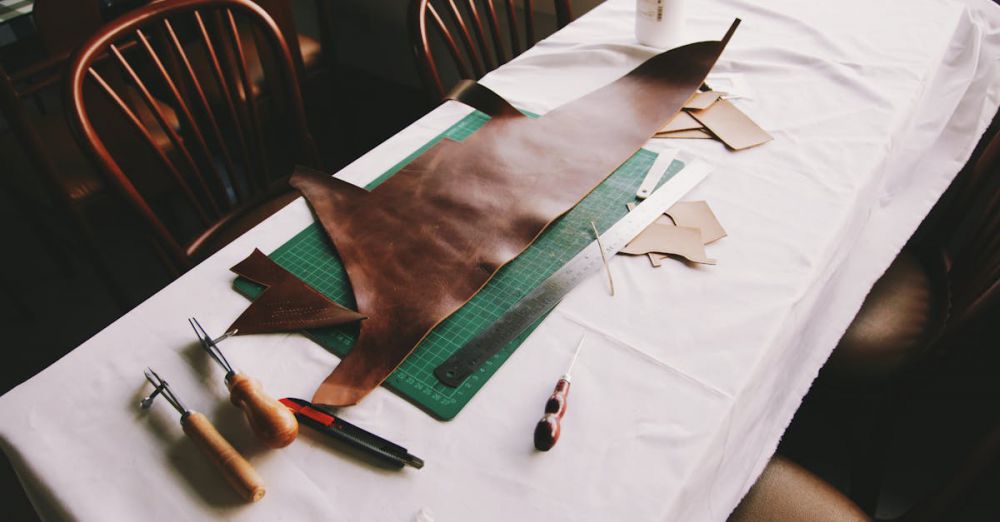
(273, 424)
(388, 453)
(548, 429)
(426, 240)
(237, 471)
(547, 295)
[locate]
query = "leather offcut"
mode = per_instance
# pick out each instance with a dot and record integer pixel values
(424, 242)
(288, 304)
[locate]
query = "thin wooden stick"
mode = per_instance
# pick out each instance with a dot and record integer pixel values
(604, 259)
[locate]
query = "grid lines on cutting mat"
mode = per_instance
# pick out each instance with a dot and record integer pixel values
(310, 256)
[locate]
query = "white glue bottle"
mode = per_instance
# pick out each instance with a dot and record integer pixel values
(659, 23)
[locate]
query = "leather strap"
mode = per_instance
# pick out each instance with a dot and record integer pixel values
(422, 243)
(288, 304)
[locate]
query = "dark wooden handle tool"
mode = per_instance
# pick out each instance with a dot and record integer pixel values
(548, 429)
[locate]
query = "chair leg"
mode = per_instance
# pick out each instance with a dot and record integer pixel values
(97, 260)
(15, 300)
(870, 442)
(168, 264)
(111, 283)
(57, 253)
(41, 227)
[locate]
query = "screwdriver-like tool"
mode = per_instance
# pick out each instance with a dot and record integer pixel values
(547, 430)
(271, 421)
(237, 471)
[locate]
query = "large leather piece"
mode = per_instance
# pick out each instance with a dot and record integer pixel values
(423, 243)
(287, 304)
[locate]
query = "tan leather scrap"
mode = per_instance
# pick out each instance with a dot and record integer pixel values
(288, 304)
(424, 242)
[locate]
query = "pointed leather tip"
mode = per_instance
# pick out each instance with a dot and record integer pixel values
(335, 395)
(729, 33)
(354, 316)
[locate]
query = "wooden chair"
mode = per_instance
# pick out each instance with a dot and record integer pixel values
(943, 281)
(227, 168)
(479, 36)
(941, 293)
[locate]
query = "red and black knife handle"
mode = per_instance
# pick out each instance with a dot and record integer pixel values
(386, 452)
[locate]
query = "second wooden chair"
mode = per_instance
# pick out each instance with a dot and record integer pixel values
(489, 33)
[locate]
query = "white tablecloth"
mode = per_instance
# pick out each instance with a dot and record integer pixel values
(690, 374)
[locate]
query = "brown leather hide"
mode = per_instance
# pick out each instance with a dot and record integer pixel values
(288, 304)
(421, 244)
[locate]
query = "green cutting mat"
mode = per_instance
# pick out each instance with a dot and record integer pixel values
(310, 256)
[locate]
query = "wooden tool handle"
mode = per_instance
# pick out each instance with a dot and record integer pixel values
(558, 401)
(547, 432)
(238, 472)
(270, 420)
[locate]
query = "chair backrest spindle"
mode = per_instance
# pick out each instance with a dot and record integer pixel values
(459, 30)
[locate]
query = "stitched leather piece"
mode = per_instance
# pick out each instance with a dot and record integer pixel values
(288, 303)
(422, 243)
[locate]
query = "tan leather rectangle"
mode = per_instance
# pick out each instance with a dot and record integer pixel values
(681, 121)
(702, 99)
(685, 134)
(731, 126)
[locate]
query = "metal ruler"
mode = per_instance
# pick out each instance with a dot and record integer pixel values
(547, 295)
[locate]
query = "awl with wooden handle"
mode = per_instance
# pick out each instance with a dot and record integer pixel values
(271, 421)
(236, 470)
(549, 428)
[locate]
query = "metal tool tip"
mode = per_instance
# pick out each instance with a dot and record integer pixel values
(415, 461)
